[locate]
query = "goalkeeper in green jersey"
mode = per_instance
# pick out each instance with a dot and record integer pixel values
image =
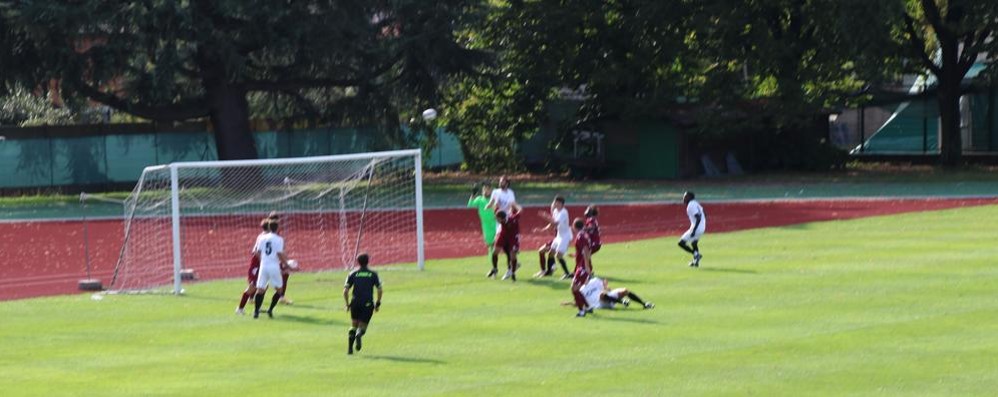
(480, 200)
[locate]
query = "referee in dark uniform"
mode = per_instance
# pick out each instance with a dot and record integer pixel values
(362, 307)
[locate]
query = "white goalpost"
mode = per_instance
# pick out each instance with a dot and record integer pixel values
(203, 217)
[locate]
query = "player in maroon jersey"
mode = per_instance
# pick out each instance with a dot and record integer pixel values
(508, 241)
(583, 265)
(592, 227)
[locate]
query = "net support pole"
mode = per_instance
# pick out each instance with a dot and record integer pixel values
(175, 210)
(420, 255)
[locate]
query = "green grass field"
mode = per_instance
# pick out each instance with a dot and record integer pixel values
(899, 305)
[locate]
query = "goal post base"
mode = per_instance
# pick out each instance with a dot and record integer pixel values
(90, 284)
(188, 275)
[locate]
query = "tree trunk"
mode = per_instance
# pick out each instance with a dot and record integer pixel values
(230, 122)
(951, 145)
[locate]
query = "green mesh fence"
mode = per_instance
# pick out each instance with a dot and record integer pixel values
(83, 156)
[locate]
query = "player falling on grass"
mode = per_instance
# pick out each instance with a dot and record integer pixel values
(558, 247)
(599, 295)
(508, 242)
(486, 215)
(254, 270)
(270, 247)
(698, 225)
(363, 281)
(583, 265)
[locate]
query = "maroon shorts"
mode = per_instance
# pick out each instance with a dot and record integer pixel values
(595, 248)
(508, 245)
(252, 274)
(581, 277)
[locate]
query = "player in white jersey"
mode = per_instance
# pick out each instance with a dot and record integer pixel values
(270, 247)
(558, 247)
(502, 199)
(599, 295)
(698, 225)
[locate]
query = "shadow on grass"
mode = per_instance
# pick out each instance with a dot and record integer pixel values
(306, 320)
(625, 319)
(414, 360)
(726, 270)
(551, 282)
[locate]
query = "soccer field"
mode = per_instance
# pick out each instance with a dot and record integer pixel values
(891, 305)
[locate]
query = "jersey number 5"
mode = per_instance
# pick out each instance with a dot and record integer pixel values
(268, 250)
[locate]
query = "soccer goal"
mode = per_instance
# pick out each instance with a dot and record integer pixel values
(202, 218)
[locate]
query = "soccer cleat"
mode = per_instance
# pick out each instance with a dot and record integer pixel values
(540, 274)
(358, 344)
(649, 305)
(693, 263)
(508, 273)
(566, 276)
(240, 311)
(492, 273)
(269, 314)
(512, 277)
(589, 310)
(696, 259)
(626, 302)
(256, 314)
(581, 313)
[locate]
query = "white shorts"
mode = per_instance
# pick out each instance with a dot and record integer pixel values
(560, 244)
(269, 275)
(691, 236)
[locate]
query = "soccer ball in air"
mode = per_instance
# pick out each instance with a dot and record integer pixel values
(429, 114)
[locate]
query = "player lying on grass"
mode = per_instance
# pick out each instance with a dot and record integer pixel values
(485, 214)
(270, 247)
(363, 281)
(583, 266)
(599, 296)
(698, 225)
(558, 247)
(508, 242)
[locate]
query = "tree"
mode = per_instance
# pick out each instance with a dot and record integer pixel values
(170, 60)
(946, 37)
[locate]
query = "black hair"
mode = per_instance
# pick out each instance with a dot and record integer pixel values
(265, 224)
(501, 215)
(363, 259)
(559, 199)
(273, 225)
(592, 211)
(579, 223)
(692, 196)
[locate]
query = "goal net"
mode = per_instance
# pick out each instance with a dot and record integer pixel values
(203, 217)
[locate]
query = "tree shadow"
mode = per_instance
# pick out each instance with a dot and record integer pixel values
(414, 360)
(726, 270)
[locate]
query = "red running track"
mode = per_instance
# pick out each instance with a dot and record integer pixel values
(47, 257)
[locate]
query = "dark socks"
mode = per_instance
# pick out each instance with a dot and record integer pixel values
(682, 244)
(542, 262)
(564, 267)
(274, 300)
(635, 298)
(580, 301)
(259, 302)
(353, 336)
(495, 261)
(550, 266)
